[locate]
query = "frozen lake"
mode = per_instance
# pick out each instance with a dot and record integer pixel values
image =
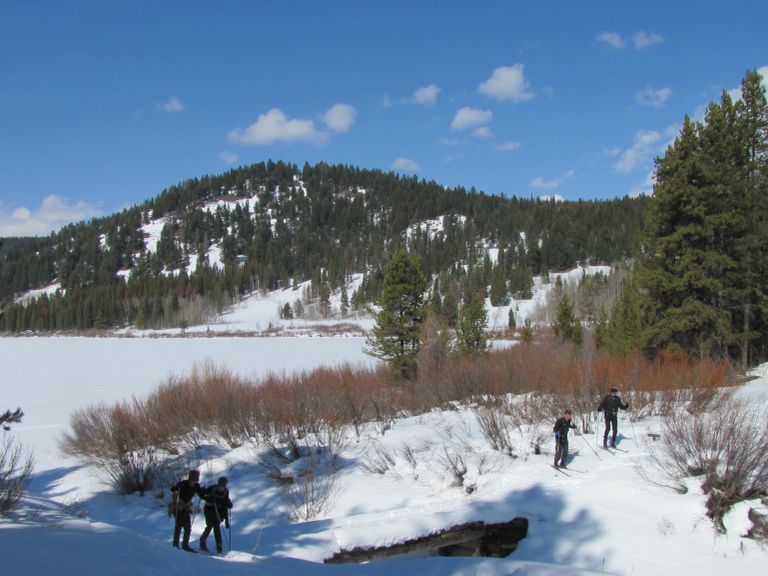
(50, 377)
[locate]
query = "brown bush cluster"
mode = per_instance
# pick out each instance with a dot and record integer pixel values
(313, 410)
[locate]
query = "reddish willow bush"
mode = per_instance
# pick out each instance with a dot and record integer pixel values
(313, 409)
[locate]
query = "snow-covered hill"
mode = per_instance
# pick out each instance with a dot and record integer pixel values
(260, 313)
(601, 518)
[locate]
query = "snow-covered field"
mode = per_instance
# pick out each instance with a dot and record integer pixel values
(601, 518)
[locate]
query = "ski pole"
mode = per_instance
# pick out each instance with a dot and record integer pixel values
(229, 529)
(634, 435)
(590, 447)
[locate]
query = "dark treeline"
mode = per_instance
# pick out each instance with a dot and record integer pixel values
(319, 223)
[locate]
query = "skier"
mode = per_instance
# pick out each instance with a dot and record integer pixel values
(184, 491)
(216, 510)
(610, 406)
(561, 427)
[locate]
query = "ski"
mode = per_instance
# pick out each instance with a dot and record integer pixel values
(609, 450)
(563, 472)
(620, 449)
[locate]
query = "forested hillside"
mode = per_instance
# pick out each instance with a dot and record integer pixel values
(203, 244)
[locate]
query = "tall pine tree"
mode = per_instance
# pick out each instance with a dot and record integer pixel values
(395, 337)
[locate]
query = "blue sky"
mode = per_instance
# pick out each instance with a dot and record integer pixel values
(103, 104)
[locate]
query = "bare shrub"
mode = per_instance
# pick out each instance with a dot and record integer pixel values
(494, 422)
(453, 462)
(377, 461)
(726, 447)
(15, 471)
(136, 471)
(312, 491)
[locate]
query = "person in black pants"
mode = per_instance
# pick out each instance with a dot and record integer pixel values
(184, 491)
(217, 506)
(610, 407)
(561, 428)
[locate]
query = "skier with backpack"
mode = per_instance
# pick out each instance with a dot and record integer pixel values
(181, 508)
(216, 510)
(561, 428)
(610, 405)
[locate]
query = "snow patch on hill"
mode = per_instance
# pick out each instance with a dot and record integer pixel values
(31, 295)
(433, 228)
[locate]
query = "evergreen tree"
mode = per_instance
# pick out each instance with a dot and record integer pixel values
(395, 337)
(451, 307)
(748, 290)
(707, 226)
(344, 301)
(473, 320)
(324, 293)
(566, 326)
(527, 333)
(600, 333)
(499, 294)
(7, 418)
(681, 265)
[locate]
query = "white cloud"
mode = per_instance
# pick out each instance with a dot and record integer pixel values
(545, 184)
(644, 39)
(483, 132)
(640, 39)
(646, 143)
(509, 145)
(540, 182)
(426, 94)
(612, 39)
(507, 83)
(53, 213)
(173, 105)
(275, 126)
(340, 117)
(405, 165)
(470, 117)
(653, 97)
(228, 157)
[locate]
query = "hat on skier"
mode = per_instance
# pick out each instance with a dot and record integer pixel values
(194, 475)
(223, 481)
(614, 389)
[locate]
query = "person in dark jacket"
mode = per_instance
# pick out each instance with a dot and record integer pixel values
(610, 407)
(561, 428)
(217, 506)
(184, 492)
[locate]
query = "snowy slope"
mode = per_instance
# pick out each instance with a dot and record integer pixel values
(602, 518)
(258, 313)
